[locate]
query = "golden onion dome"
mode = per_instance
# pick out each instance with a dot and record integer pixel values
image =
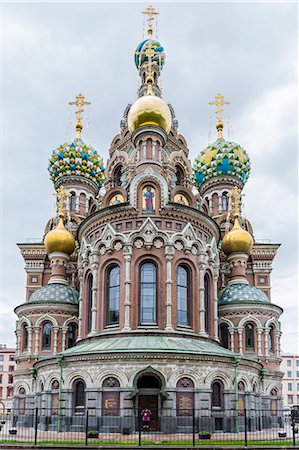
(237, 239)
(149, 110)
(59, 240)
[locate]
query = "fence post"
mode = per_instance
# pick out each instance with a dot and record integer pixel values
(139, 427)
(293, 430)
(86, 428)
(245, 423)
(35, 425)
(193, 427)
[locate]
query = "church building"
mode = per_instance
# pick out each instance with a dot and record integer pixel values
(148, 289)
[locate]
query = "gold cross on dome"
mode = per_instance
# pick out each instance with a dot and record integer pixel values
(61, 196)
(236, 195)
(219, 102)
(150, 12)
(149, 52)
(80, 102)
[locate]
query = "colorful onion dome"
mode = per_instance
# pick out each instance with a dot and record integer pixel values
(221, 158)
(77, 159)
(241, 292)
(140, 56)
(59, 240)
(149, 110)
(56, 293)
(237, 240)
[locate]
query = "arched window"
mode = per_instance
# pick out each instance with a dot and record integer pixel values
(178, 176)
(148, 292)
(217, 395)
(183, 296)
(46, 336)
(224, 201)
(25, 338)
(224, 335)
(22, 401)
(185, 397)
(89, 302)
(73, 201)
(249, 336)
(118, 176)
(207, 294)
(55, 397)
(241, 398)
(110, 397)
(113, 294)
(71, 335)
(271, 341)
(79, 396)
(273, 402)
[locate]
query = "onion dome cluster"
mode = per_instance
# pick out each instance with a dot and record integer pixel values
(237, 240)
(77, 159)
(59, 240)
(221, 158)
(241, 292)
(140, 56)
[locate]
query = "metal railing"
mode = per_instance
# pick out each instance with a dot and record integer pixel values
(127, 426)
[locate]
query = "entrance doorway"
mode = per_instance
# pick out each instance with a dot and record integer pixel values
(149, 387)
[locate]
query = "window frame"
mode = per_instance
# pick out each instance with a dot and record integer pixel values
(108, 291)
(47, 347)
(141, 265)
(188, 295)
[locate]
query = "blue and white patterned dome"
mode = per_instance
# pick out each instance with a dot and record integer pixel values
(55, 293)
(241, 292)
(140, 57)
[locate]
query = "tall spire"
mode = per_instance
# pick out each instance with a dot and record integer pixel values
(219, 102)
(80, 102)
(150, 13)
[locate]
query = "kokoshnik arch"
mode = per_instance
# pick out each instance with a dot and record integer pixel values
(149, 289)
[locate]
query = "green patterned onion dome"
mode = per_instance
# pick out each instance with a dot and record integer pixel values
(140, 56)
(55, 293)
(241, 292)
(221, 158)
(77, 159)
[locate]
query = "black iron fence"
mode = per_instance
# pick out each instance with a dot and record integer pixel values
(126, 426)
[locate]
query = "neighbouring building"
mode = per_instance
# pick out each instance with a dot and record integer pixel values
(7, 369)
(290, 382)
(149, 290)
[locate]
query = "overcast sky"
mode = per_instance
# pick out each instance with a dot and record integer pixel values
(247, 51)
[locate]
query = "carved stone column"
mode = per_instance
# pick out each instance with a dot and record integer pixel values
(232, 338)
(30, 330)
(55, 347)
(64, 331)
(240, 331)
(77, 203)
(220, 203)
(169, 252)
(80, 276)
(36, 330)
(127, 303)
(202, 266)
(18, 341)
(215, 309)
(86, 205)
(94, 268)
(277, 343)
(266, 342)
(259, 341)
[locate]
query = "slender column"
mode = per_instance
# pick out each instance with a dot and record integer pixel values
(202, 330)
(259, 341)
(232, 339)
(29, 329)
(56, 329)
(77, 204)
(80, 276)
(216, 268)
(277, 343)
(169, 252)
(220, 203)
(86, 205)
(154, 150)
(160, 153)
(36, 329)
(240, 331)
(266, 337)
(18, 334)
(127, 303)
(94, 268)
(64, 331)
(144, 150)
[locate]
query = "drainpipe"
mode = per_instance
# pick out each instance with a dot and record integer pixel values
(59, 359)
(237, 362)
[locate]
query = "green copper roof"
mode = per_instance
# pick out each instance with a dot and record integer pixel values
(149, 344)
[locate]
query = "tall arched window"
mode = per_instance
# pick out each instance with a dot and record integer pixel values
(224, 335)
(273, 402)
(148, 293)
(207, 294)
(224, 201)
(271, 341)
(241, 398)
(73, 201)
(111, 397)
(183, 296)
(79, 396)
(46, 336)
(25, 338)
(55, 397)
(217, 395)
(118, 176)
(249, 336)
(185, 397)
(71, 335)
(22, 401)
(178, 176)
(113, 294)
(89, 302)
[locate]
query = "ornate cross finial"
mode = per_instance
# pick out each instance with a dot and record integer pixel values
(150, 12)
(80, 102)
(236, 200)
(219, 102)
(61, 196)
(149, 52)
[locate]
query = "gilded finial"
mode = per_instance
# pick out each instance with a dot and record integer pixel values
(236, 200)
(149, 52)
(219, 102)
(150, 12)
(61, 195)
(80, 102)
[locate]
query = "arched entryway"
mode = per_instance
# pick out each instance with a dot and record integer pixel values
(149, 397)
